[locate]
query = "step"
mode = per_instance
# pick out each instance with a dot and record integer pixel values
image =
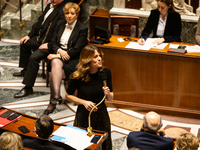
(6, 20)
(10, 21)
(26, 12)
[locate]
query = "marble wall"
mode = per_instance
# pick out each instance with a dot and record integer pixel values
(30, 13)
(89, 5)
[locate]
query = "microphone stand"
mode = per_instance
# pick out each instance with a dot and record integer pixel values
(89, 128)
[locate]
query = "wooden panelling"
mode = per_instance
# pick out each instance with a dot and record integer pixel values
(98, 18)
(154, 79)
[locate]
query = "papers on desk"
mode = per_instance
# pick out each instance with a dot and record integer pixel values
(193, 49)
(120, 40)
(72, 136)
(190, 49)
(148, 44)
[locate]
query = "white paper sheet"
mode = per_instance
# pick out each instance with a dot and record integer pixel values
(173, 46)
(75, 137)
(160, 46)
(148, 44)
(193, 49)
(120, 40)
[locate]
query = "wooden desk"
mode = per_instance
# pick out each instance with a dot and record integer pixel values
(154, 79)
(98, 18)
(29, 122)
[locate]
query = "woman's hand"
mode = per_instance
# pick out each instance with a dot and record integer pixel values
(158, 41)
(109, 95)
(51, 56)
(141, 41)
(64, 55)
(106, 90)
(89, 105)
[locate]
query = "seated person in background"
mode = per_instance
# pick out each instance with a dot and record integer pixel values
(37, 41)
(164, 22)
(10, 141)
(148, 138)
(70, 37)
(187, 141)
(44, 128)
(197, 35)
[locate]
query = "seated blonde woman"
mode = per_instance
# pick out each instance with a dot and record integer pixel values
(70, 36)
(187, 141)
(10, 141)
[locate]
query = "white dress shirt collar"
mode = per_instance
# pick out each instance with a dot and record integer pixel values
(72, 25)
(161, 26)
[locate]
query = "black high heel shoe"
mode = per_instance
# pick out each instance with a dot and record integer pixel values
(53, 102)
(47, 111)
(60, 100)
(56, 100)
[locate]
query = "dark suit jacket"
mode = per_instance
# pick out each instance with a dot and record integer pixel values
(76, 42)
(40, 144)
(44, 32)
(149, 141)
(172, 29)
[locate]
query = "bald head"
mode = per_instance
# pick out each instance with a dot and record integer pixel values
(152, 121)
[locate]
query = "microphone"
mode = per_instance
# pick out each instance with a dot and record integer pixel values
(89, 128)
(104, 77)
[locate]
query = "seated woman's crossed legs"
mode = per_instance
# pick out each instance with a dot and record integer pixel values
(55, 79)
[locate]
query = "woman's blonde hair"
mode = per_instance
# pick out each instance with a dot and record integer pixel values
(71, 5)
(187, 141)
(83, 67)
(10, 141)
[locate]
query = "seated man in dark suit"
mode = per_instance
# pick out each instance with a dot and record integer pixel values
(44, 128)
(148, 138)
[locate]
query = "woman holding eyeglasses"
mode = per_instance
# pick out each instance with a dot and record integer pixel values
(164, 22)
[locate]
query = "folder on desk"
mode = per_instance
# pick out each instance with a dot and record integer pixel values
(5, 121)
(173, 48)
(177, 50)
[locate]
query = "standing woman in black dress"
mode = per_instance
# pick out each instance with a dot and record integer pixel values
(88, 81)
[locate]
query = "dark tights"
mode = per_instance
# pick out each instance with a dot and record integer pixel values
(55, 79)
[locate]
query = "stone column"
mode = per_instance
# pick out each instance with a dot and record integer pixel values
(198, 10)
(119, 4)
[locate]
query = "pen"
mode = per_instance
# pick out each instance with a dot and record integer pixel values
(17, 120)
(142, 40)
